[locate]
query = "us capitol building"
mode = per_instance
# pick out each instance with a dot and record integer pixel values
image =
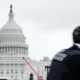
(13, 48)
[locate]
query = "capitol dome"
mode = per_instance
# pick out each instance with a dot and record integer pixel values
(12, 39)
(11, 26)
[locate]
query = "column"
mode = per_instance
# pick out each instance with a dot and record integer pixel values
(3, 50)
(0, 50)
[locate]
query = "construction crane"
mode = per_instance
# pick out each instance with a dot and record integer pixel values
(39, 78)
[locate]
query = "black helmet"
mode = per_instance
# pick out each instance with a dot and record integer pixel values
(76, 35)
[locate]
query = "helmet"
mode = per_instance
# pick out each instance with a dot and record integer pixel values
(76, 35)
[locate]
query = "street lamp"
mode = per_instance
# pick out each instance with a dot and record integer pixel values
(47, 67)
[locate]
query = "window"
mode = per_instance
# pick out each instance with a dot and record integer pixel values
(16, 71)
(1, 65)
(16, 65)
(22, 71)
(7, 72)
(11, 76)
(22, 65)
(1, 72)
(11, 70)
(5, 49)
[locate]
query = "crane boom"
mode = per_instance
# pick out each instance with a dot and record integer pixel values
(32, 68)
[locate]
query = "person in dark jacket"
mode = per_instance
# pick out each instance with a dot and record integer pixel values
(66, 64)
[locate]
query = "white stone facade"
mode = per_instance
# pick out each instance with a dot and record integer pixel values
(13, 48)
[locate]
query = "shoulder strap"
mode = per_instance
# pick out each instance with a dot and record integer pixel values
(60, 56)
(71, 53)
(64, 55)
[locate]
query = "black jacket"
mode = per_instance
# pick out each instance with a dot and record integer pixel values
(58, 68)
